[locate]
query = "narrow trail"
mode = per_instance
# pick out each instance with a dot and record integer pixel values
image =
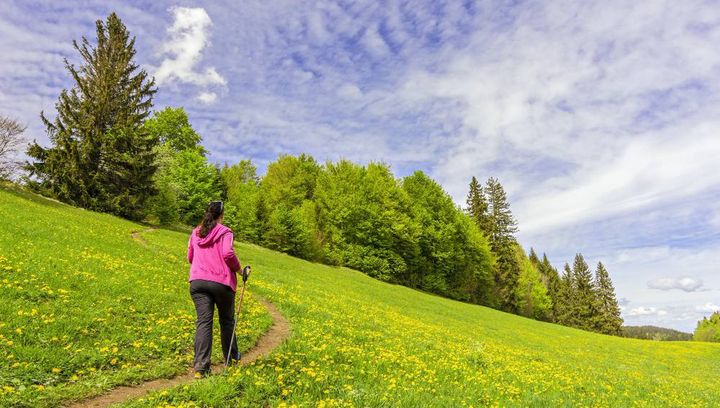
(273, 338)
(137, 235)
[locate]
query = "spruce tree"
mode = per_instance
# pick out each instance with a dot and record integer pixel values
(608, 319)
(553, 284)
(102, 158)
(532, 256)
(567, 298)
(502, 243)
(586, 301)
(477, 207)
(503, 222)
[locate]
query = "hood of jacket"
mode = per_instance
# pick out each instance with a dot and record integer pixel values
(215, 235)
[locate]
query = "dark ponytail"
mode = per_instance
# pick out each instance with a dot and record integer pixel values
(209, 221)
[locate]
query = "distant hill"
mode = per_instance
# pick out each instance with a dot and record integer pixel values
(655, 333)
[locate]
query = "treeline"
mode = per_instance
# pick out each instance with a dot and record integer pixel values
(533, 287)
(655, 333)
(111, 153)
(708, 329)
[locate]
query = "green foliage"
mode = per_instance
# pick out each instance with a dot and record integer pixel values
(243, 193)
(531, 293)
(565, 311)
(490, 210)
(364, 213)
(185, 181)
(478, 208)
(102, 157)
(708, 329)
(454, 258)
(551, 279)
(171, 127)
(607, 319)
(286, 223)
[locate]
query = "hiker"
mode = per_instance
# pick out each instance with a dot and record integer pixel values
(213, 282)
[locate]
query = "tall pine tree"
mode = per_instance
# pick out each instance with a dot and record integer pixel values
(608, 318)
(568, 297)
(477, 207)
(586, 301)
(102, 158)
(502, 243)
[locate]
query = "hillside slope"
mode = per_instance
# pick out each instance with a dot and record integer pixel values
(84, 306)
(355, 341)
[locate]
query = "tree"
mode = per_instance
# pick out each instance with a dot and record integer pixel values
(286, 213)
(708, 329)
(365, 221)
(185, 181)
(502, 242)
(477, 207)
(102, 157)
(241, 183)
(504, 225)
(10, 140)
(171, 127)
(568, 298)
(586, 305)
(532, 296)
(453, 257)
(552, 281)
(608, 319)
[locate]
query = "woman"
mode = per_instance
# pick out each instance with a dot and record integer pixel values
(212, 282)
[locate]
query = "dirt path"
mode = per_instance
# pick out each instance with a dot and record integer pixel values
(137, 235)
(278, 332)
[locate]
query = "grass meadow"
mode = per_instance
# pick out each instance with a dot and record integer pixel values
(85, 307)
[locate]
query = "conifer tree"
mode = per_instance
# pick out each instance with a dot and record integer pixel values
(477, 207)
(586, 302)
(567, 298)
(608, 319)
(502, 243)
(532, 256)
(503, 222)
(553, 284)
(102, 158)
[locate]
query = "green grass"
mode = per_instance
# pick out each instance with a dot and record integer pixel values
(86, 307)
(355, 341)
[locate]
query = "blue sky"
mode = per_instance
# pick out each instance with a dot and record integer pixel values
(600, 118)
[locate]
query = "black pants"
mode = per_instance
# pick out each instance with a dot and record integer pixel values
(205, 295)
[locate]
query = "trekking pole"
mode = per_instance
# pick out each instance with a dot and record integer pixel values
(245, 274)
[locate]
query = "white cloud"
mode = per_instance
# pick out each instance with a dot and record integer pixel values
(579, 113)
(647, 311)
(708, 307)
(686, 284)
(207, 97)
(186, 39)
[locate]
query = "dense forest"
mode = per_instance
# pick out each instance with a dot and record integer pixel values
(655, 333)
(110, 152)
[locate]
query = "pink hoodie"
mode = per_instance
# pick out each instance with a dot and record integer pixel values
(213, 257)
